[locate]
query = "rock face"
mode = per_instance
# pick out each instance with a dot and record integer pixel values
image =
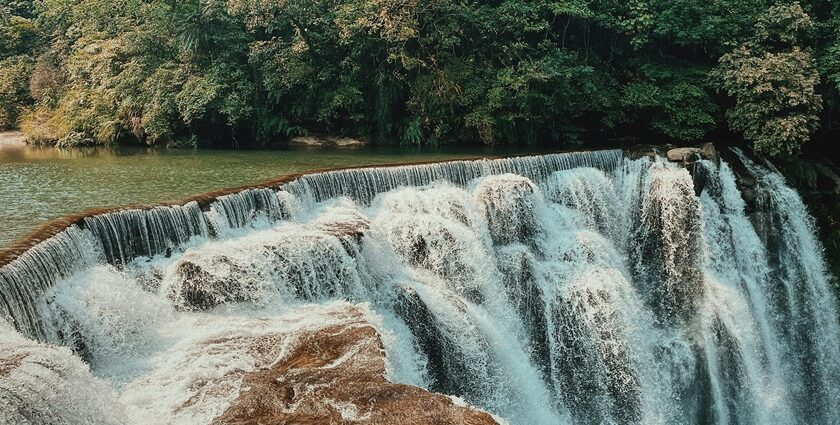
(337, 375)
(313, 364)
(692, 154)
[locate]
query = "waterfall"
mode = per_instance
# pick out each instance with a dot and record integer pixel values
(580, 288)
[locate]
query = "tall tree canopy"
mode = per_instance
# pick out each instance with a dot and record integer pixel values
(256, 72)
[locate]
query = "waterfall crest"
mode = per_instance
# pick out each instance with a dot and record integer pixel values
(567, 288)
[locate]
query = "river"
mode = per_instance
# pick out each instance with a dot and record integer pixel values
(43, 183)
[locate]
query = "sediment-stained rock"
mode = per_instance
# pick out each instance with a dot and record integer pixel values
(314, 364)
(334, 375)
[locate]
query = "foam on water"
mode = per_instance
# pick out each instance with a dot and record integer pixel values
(577, 288)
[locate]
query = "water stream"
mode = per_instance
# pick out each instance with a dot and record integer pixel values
(577, 288)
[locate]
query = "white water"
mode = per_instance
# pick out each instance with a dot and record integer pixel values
(542, 290)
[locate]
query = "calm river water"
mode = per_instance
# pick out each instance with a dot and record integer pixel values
(39, 184)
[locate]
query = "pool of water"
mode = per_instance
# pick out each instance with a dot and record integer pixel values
(40, 184)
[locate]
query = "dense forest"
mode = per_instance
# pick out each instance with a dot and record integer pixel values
(257, 72)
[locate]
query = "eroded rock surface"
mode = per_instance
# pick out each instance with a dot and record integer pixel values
(314, 364)
(337, 375)
(693, 154)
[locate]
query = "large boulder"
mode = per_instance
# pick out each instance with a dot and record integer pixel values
(693, 154)
(316, 364)
(337, 375)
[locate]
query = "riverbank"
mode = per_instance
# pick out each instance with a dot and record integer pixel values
(12, 139)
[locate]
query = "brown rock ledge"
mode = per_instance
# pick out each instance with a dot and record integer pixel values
(336, 375)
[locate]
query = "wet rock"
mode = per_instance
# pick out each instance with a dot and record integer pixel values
(690, 157)
(642, 151)
(745, 181)
(817, 179)
(683, 154)
(520, 279)
(708, 151)
(336, 374)
(201, 289)
(667, 246)
(594, 370)
(693, 154)
(590, 192)
(350, 224)
(293, 262)
(447, 370)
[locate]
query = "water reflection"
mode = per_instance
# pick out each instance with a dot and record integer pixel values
(42, 183)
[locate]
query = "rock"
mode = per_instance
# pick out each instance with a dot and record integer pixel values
(508, 204)
(708, 151)
(641, 151)
(744, 180)
(326, 141)
(301, 262)
(344, 223)
(817, 179)
(200, 289)
(682, 154)
(336, 374)
(667, 242)
(313, 364)
(692, 154)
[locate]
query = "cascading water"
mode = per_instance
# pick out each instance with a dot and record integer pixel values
(567, 288)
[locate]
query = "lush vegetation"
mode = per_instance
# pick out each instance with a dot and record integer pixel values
(256, 72)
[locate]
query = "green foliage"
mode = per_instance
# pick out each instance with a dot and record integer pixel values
(242, 72)
(773, 82)
(19, 35)
(674, 100)
(14, 93)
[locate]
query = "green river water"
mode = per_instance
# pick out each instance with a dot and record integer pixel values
(39, 184)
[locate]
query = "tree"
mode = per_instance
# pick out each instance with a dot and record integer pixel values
(14, 90)
(773, 81)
